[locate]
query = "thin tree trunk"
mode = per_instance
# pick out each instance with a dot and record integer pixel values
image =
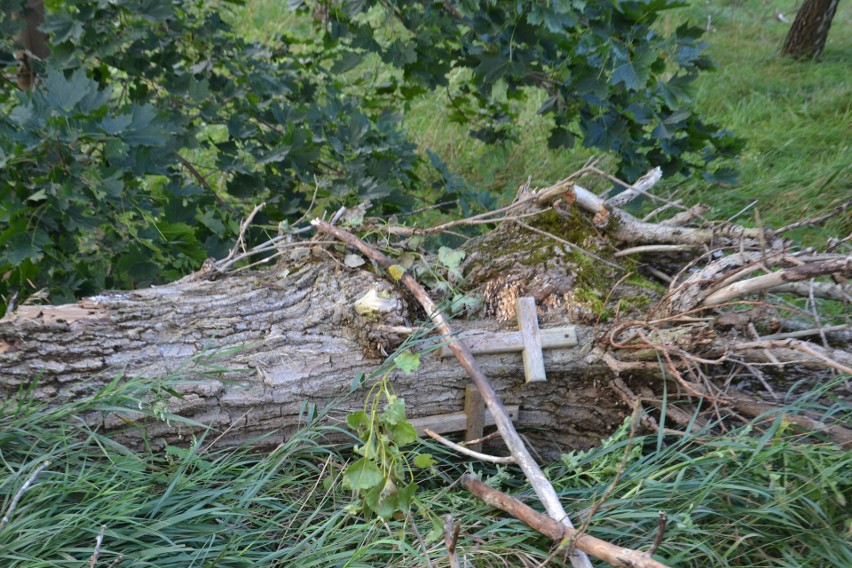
(807, 37)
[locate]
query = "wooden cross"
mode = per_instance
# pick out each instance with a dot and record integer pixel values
(529, 340)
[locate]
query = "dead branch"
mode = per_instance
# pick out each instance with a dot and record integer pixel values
(467, 451)
(840, 265)
(753, 408)
(614, 555)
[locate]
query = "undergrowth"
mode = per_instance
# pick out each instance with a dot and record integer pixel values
(763, 495)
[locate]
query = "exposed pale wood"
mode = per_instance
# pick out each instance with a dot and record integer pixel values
(528, 326)
(455, 421)
(474, 409)
(481, 343)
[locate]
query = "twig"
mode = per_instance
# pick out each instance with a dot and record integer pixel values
(662, 208)
(807, 332)
(741, 211)
(615, 555)
(797, 345)
(420, 540)
(661, 532)
(815, 313)
(451, 537)
(516, 446)
(421, 210)
(815, 220)
(11, 508)
(243, 228)
(311, 206)
(467, 451)
(653, 248)
(842, 265)
(481, 440)
(641, 187)
(116, 562)
(98, 541)
(754, 408)
(486, 220)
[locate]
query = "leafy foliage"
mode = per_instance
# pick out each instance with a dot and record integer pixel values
(98, 187)
(382, 478)
(610, 78)
(155, 127)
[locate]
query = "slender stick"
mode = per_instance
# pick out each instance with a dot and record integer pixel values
(11, 509)
(608, 552)
(535, 476)
(467, 451)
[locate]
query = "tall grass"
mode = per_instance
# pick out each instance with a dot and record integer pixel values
(761, 496)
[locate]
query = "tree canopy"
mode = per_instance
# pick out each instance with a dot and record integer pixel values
(153, 127)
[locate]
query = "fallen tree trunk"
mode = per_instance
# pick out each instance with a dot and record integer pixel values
(251, 348)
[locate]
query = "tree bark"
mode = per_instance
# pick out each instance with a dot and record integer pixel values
(33, 42)
(806, 38)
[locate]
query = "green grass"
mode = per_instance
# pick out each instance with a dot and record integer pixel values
(795, 116)
(760, 496)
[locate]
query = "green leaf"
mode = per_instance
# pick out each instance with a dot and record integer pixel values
(405, 495)
(25, 246)
(628, 76)
(349, 60)
(424, 461)
(407, 361)
(450, 258)
(64, 93)
(394, 411)
(403, 433)
(363, 474)
(357, 420)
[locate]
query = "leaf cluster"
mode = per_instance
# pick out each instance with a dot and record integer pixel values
(155, 127)
(381, 478)
(604, 73)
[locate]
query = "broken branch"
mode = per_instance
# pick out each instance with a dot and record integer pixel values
(608, 552)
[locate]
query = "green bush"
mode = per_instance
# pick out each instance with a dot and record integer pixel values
(154, 126)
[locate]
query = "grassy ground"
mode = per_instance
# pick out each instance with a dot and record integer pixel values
(761, 496)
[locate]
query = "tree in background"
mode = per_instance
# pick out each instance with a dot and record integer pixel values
(806, 38)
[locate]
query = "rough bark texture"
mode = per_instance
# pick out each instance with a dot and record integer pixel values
(298, 339)
(806, 39)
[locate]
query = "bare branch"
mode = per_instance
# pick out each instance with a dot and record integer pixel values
(467, 451)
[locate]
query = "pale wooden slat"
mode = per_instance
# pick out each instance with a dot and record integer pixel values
(532, 353)
(511, 341)
(455, 421)
(474, 409)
